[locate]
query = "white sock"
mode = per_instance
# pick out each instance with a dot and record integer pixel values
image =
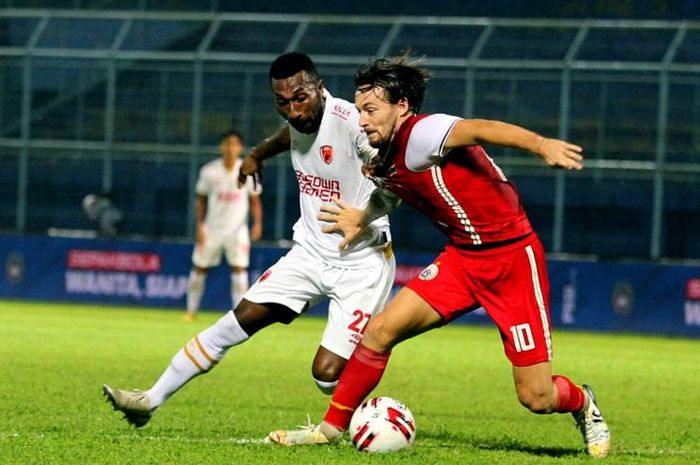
(239, 286)
(195, 290)
(326, 387)
(331, 433)
(200, 354)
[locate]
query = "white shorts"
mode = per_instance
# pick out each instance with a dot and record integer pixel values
(236, 246)
(301, 277)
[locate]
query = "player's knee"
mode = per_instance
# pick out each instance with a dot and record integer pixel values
(379, 336)
(537, 400)
(253, 317)
(326, 373)
(326, 377)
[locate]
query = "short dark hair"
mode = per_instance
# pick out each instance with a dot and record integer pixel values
(230, 133)
(397, 76)
(291, 63)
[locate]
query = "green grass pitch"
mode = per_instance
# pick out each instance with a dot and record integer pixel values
(55, 357)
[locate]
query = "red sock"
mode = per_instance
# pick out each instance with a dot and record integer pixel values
(570, 397)
(361, 375)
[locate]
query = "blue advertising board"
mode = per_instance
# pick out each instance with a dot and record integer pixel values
(588, 295)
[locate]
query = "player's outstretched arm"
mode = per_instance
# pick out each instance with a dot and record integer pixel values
(269, 147)
(554, 152)
(351, 221)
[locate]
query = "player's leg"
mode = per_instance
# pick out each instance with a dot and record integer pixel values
(196, 284)
(205, 350)
(204, 257)
(237, 250)
(326, 368)
(406, 315)
(201, 353)
(514, 289)
(436, 296)
(279, 295)
(541, 392)
(239, 283)
(537, 392)
(355, 295)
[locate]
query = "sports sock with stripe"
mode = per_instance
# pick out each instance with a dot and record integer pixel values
(361, 375)
(199, 355)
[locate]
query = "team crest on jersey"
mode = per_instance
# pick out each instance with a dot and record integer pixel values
(430, 272)
(327, 154)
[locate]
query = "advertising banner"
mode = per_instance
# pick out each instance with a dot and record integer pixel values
(588, 295)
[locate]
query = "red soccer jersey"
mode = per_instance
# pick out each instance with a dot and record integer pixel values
(463, 192)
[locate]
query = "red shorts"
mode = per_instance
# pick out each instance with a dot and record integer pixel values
(510, 282)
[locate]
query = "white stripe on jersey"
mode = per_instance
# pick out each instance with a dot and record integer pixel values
(447, 196)
(497, 168)
(540, 299)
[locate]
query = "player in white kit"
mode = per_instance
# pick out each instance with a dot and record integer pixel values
(222, 222)
(328, 149)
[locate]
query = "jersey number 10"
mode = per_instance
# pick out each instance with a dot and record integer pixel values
(522, 337)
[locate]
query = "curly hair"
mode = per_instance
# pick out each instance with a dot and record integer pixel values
(289, 64)
(399, 77)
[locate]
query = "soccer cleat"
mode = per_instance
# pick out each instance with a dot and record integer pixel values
(308, 434)
(595, 431)
(188, 317)
(133, 404)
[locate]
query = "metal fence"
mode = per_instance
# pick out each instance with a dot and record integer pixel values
(132, 103)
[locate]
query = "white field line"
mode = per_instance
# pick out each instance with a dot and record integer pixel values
(34, 436)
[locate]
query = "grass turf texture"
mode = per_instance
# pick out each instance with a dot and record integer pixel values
(54, 359)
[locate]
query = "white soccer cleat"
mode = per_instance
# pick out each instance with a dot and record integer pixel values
(308, 434)
(133, 404)
(298, 437)
(595, 431)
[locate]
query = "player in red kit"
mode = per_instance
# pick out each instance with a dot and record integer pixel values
(493, 257)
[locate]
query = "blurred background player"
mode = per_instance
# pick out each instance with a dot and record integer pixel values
(328, 149)
(222, 210)
(493, 257)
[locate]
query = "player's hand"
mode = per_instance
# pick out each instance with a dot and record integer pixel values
(201, 235)
(561, 154)
(251, 166)
(343, 218)
(256, 232)
(369, 168)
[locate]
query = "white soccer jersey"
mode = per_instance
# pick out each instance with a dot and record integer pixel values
(328, 164)
(227, 204)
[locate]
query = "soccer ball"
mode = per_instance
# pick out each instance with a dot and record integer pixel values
(382, 424)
